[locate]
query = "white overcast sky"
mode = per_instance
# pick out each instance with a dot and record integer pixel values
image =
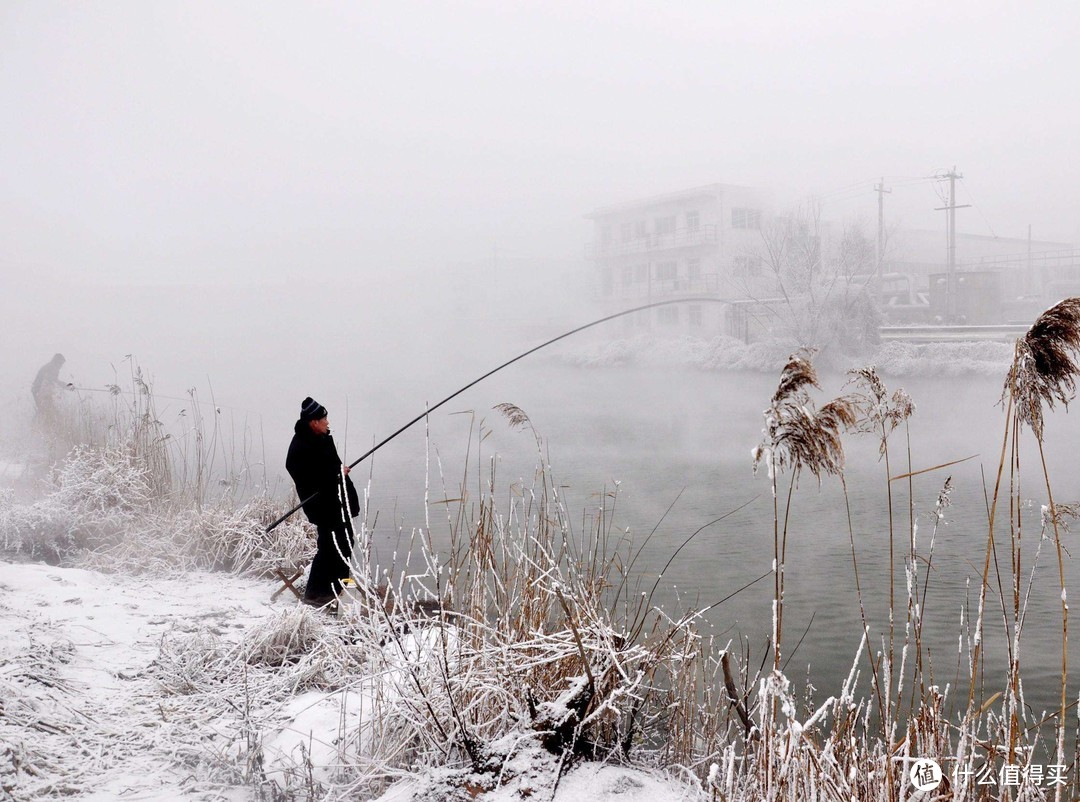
(150, 139)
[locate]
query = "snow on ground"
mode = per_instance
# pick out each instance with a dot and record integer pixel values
(83, 715)
(589, 782)
(76, 645)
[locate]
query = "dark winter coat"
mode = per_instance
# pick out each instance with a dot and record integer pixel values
(315, 468)
(46, 381)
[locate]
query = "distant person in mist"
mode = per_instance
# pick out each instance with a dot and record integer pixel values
(46, 383)
(315, 467)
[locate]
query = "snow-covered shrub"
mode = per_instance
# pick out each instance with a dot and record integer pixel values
(40, 530)
(189, 664)
(286, 637)
(100, 508)
(103, 484)
(233, 537)
(94, 497)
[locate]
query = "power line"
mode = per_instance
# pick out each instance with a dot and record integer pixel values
(858, 185)
(990, 228)
(858, 190)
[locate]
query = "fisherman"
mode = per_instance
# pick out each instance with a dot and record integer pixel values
(46, 383)
(329, 500)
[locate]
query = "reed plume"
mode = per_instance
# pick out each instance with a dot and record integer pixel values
(796, 436)
(878, 411)
(515, 415)
(1044, 369)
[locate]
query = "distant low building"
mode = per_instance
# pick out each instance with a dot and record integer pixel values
(997, 279)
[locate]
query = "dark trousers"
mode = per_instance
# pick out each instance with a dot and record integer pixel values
(331, 563)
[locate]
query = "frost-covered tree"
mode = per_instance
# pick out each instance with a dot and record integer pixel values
(813, 289)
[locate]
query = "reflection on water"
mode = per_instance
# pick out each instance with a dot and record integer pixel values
(660, 436)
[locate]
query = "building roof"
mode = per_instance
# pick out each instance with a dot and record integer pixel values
(1020, 242)
(705, 191)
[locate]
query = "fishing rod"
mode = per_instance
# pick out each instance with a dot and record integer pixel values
(453, 395)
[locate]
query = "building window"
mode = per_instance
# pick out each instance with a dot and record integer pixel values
(746, 266)
(665, 225)
(693, 270)
(694, 313)
(641, 274)
(668, 316)
(607, 284)
(693, 221)
(605, 235)
(667, 271)
(745, 218)
(625, 231)
(640, 230)
(627, 276)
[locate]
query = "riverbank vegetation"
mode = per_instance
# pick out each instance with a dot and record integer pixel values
(534, 644)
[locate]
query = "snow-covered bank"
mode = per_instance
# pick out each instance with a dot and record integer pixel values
(91, 708)
(532, 775)
(81, 715)
(894, 359)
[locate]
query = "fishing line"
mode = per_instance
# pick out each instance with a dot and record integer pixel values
(453, 395)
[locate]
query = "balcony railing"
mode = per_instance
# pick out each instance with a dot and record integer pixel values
(679, 238)
(660, 288)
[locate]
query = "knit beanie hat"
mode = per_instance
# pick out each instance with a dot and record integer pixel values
(310, 409)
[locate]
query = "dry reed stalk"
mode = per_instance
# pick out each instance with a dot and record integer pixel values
(1044, 372)
(799, 438)
(881, 414)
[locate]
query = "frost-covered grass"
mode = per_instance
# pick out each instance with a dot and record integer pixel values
(84, 715)
(96, 509)
(122, 491)
(525, 660)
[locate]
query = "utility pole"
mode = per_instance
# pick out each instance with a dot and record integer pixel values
(1030, 284)
(880, 190)
(950, 231)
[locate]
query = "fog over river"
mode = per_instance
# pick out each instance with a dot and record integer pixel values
(663, 438)
(683, 439)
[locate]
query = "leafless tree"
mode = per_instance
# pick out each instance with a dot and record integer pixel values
(813, 290)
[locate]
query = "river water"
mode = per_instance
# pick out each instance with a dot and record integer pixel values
(683, 439)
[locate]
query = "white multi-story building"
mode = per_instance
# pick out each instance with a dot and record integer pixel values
(727, 243)
(698, 243)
